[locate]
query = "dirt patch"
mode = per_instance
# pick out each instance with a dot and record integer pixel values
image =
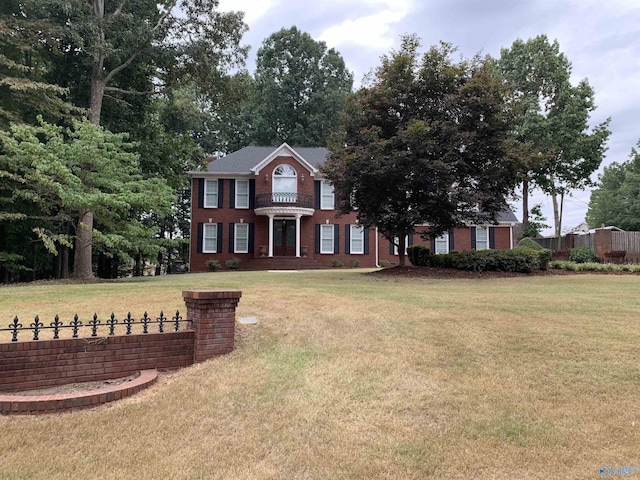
(76, 387)
(444, 273)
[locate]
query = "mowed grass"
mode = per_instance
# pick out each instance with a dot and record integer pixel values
(355, 376)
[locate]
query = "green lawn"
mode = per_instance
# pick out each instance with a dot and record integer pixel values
(350, 375)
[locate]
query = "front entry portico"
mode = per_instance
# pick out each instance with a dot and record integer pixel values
(284, 235)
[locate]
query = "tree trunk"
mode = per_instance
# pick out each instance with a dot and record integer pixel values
(82, 257)
(97, 94)
(525, 204)
(556, 212)
(65, 262)
(159, 264)
(83, 247)
(137, 269)
(58, 263)
(402, 248)
(560, 217)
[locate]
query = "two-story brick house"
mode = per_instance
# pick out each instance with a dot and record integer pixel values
(270, 207)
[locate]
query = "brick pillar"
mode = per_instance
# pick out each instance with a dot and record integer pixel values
(604, 240)
(570, 241)
(213, 316)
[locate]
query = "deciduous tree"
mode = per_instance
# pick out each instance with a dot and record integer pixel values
(83, 168)
(124, 48)
(554, 124)
(299, 90)
(425, 141)
(616, 200)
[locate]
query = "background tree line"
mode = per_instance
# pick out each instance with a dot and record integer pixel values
(77, 196)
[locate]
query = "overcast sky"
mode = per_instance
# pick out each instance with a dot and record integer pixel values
(601, 39)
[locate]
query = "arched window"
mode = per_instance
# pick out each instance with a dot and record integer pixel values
(285, 181)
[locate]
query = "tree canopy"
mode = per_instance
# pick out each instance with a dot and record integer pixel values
(298, 93)
(616, 200)
(563, 150)
(426, 141)
(124, 64)
(67, 171)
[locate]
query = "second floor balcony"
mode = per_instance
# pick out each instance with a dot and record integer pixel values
(284, 199)
(284, 203)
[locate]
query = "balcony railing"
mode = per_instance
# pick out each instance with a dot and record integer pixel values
(279, 199)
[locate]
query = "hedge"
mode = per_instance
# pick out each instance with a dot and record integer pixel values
(519, 259)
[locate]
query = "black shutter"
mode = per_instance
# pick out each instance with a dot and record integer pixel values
(316, 185)
(251, 235)
(252, 193)
(410, 240)
(451, 244)
(492, 237)
(473, 238)
(432, 243)
(220, 193)
(336, 239)
(199, 238)
(366, 241)
(232, 193)
(219, 239)
(317, 238)
(347, 239)
(231, 238)
(201, 193)
(391, 248)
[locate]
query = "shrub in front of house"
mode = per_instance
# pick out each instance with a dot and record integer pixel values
(337, 263)
(233, 264)
(519, 259)
(529, 243)
(213, 265)
(354, 262)
(583, 255)
(522, 260)
(419, 255)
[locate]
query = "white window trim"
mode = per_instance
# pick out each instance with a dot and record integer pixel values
(244, 226)
(352, 236)
(214, 226)
(486, 230)
(330, 203)
(206, 182)
(327, 228)
(237, 205)
(444, 237)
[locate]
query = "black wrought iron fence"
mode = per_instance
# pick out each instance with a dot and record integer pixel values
(110, 323)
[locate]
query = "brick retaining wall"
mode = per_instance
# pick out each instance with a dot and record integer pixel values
(44, 363)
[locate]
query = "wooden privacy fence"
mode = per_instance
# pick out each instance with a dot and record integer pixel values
(610, 245)
(627, 241)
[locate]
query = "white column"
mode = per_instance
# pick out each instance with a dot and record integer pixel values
(270, 235)
(298, 235)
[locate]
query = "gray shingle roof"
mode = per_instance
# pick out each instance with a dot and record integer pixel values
(507, 216)
(243, 160)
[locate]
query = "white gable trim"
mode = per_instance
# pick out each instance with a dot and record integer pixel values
(286, 151)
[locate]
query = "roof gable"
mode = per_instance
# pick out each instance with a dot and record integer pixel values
(249, 160)
(284, 150)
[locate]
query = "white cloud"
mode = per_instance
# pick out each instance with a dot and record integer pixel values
(372, 31)
(253, 9)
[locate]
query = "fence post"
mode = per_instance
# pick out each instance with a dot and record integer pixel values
(213, 317)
